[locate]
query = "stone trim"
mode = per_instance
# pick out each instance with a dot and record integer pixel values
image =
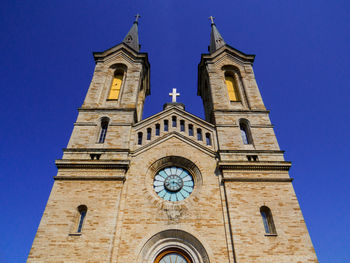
(85, 124)
(252, 151)
(106, 109)
(265, 166)
(85, 164)
(257, 179)
(90, 178)
(94, 150)
(242, 111)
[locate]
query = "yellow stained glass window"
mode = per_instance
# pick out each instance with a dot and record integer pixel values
(231, 88)
(115, 87)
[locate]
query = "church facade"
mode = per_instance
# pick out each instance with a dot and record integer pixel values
(172, 188)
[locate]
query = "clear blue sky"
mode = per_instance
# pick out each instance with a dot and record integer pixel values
(301, 66)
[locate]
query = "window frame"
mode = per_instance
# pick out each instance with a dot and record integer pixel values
(268, 222)
(103, 130)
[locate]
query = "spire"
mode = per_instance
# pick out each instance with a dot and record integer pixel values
(216, 40)
(132, 37)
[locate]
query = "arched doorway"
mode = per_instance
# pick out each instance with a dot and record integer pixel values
(173, 246)
(173, 255)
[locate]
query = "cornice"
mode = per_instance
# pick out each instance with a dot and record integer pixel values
(252, 151)
(256, 166)
(90, 178)
(101, 56)
(95, 150)
(253, 111)
(230, 50)
(92, 164)
(252, 179)
(106, 109)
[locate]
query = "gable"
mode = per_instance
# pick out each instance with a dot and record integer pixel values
(175, 142)
(174, 122)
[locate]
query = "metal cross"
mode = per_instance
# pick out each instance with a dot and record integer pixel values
(137, 18)
(212, 19)
(174, 95)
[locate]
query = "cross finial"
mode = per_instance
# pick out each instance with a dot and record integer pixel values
(212, 19)
(137, 18)
(174, 95)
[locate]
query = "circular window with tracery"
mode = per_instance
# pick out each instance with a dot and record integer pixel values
(173, 183)
(173, 256)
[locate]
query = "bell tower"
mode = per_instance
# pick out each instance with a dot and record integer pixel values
(231, 98)
(91, 174)
(116, 95)
(251, 166)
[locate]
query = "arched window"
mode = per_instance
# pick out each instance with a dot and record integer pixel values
(157, 129)
(231, 86)
(182, 125)
(207, 138)
(116, 84)
(174, 121)
(139, 138)
(82, 210)
(267, 220)
(149, 133)
(103, 132)
(173, 255)
(166, 125)
(245, 132)
(190, 130)
(199, 135)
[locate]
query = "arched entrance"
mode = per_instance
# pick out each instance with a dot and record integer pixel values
(173, 246)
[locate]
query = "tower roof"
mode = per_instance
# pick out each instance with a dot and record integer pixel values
(132, 37)
(216, 40)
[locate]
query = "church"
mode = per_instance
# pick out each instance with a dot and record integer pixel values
(173, 188)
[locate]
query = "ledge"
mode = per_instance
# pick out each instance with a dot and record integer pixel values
(74, 234)
(90, 178)
(252, 151)
(256, 179)
(95, 150)
(241, 111)
(105, 109)
(92, 164)
(260, 166)
(271, 235)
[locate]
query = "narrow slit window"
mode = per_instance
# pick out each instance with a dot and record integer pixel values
(208, 138)
(157, 129)
(199, 135)
(182, 125)
(231, 86)
(149, 133)
(103, 132)
(245, 133)
(269, 225)
(82, 209)
(190, 130)
(116, 86)
(139, 138)
(166, 125)
(174, 121)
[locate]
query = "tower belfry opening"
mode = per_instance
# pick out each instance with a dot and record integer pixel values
(172, 187)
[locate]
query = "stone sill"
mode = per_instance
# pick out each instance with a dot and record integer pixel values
(271, 235)
(75, 234)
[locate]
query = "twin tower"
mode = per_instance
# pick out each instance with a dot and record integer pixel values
(172, 188)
